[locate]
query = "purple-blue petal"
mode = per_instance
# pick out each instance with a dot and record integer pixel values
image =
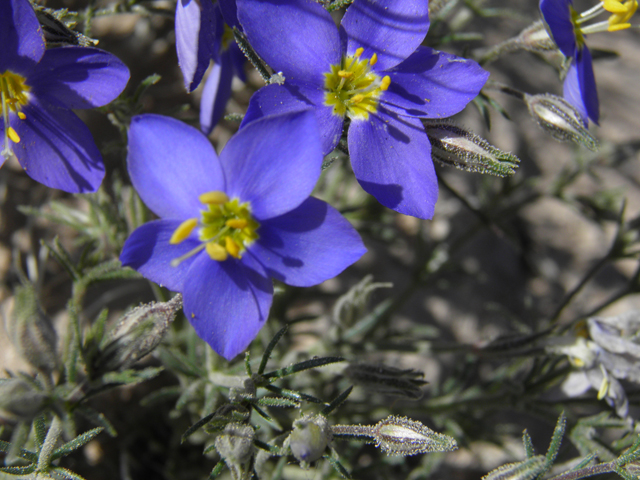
(391, 158)
(197, 26)
(57, 149)
(227, 302)
(308, 245)
(588, 84)
(292, 97)
(557, 16)
(229, 12)
(171, 164)
(21, 41)
(79, 77)
(216, 94)
(571, 90)
(579, 87)
(273, 163)
(238, 60)
(392, 29)
(296, 37)
(148, 251)
(432, 84)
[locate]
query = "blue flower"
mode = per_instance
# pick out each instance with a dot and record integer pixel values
(203, 36)
(229, 225)
(38, 90)
(568, 31)
(371, 71)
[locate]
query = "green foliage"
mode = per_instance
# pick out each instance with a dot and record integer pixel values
(485, 323)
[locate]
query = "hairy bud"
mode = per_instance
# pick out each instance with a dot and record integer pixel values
(32, 332)
(525, 470)
(399, 436)
(633, 468)
(19, 400)
(137, 333)
(309, 438)
(402, 436)
(534, 38)
(560, 119)
(465, 150)
(235, 446)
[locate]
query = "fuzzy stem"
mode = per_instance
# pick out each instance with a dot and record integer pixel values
(353, 430)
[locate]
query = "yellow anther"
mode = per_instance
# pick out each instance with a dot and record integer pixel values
(357, 98)
(13, 135)
(183, 231)
(621, 13)
(359, 52)
(374, 59)
(232, 247)
(384, 84)
(21, 116)
(214, 198)
(614, 6)
(216, 252)
(577, 362)
(238, 223)
(604, 388)
(616, 27)
(345, 74)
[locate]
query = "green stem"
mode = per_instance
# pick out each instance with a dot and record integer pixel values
(589, 275)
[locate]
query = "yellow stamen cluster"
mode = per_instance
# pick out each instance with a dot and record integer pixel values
(13, 95)
(226, 228)
(352, 88)
(621, 11)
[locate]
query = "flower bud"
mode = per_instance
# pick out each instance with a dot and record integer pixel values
(19, 400)
(452, 145)
(525, 470)
(32, 332)
(137, 333)
(404, 437)
(235, 446)
(309, 438)
(535, 38)
(560, 119)
(633, 468)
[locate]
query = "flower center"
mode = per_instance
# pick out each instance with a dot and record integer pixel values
(226, 228)
(13, 95)
(621, 12)
(352, 88)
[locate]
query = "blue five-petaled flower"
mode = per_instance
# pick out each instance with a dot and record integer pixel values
(39, 88)
(371, 71)
(568, 30)
(229, 225)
